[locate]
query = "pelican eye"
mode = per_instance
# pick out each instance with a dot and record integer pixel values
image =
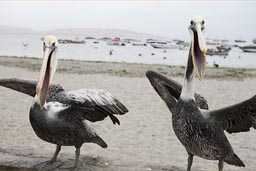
(192, 22)
(203, 22)
(53, 44)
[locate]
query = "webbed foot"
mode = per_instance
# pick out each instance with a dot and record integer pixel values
(48, 165)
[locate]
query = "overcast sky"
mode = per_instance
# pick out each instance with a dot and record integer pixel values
(230, 19)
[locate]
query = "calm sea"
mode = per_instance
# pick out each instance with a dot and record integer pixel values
(12, 45)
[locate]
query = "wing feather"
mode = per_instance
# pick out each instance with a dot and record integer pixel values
(236, 118)
(169, 90)
(92, 104)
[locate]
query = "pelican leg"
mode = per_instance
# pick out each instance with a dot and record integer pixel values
(77, 158)
(52, 164)
(54, 158)
(190, 161)
(76, 161)
(221, 165)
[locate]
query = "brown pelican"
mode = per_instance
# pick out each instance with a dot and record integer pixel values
(59, 116)
(202, 131)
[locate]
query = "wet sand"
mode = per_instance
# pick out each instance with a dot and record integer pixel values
(145, 139)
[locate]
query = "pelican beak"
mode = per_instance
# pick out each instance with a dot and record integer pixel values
(45, 75)
(198, 50)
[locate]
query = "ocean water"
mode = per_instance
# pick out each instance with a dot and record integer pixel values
(12, 45)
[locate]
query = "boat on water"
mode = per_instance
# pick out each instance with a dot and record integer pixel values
(115, 42)
(250, 48)
(139, 44)
(223, 48)
(90, 38)
(65, 41)
(219, 51)
(130, 40)
(211, 43)
(76, 41)
(254, 41)
(240, 41)
(62, 41)
(166, 45)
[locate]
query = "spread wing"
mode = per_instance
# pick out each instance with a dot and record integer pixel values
(169, 90)
(236, 118)
(91, 104)
(25, 86)
(28, 86)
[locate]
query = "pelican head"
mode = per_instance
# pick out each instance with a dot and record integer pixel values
(198, 47)
(48, 68)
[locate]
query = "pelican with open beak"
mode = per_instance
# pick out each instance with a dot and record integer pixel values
(198, 46)
(60, 116)
(196, 64)
(48, 69)
(201, 131)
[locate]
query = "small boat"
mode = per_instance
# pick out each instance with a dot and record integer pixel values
(115, 43)
(254, 41)
(211, 43)
(223, 48)
(240, 41)
(139, 44)
(76, 41)
(166, 45)
(62, 41)
(225, 40)
(183, 43)
(250, 48)
(130, 40)
(105, 39)
(220, 51)
(90, 38)
(65, 41)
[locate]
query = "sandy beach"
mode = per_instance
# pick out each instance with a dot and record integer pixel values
(145, 139)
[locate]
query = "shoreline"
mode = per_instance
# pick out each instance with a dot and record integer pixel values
(70, 66)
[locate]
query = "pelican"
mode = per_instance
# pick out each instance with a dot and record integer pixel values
(201, 131)
(60, 116)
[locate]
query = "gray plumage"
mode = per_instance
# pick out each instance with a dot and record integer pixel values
(202, 131)
(63, 119)
(79, 102)
(169, 90)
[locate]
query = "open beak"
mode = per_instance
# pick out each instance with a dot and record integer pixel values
(45, 76)
(198, 51)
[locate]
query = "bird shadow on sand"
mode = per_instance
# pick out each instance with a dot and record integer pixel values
(87, 163)
(26, 159)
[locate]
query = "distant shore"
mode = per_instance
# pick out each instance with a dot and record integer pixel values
(122, 69)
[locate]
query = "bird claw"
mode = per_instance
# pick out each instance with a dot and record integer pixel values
(48, 165)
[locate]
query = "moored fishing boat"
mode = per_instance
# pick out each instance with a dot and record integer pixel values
(166, 45)
(250, 48)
